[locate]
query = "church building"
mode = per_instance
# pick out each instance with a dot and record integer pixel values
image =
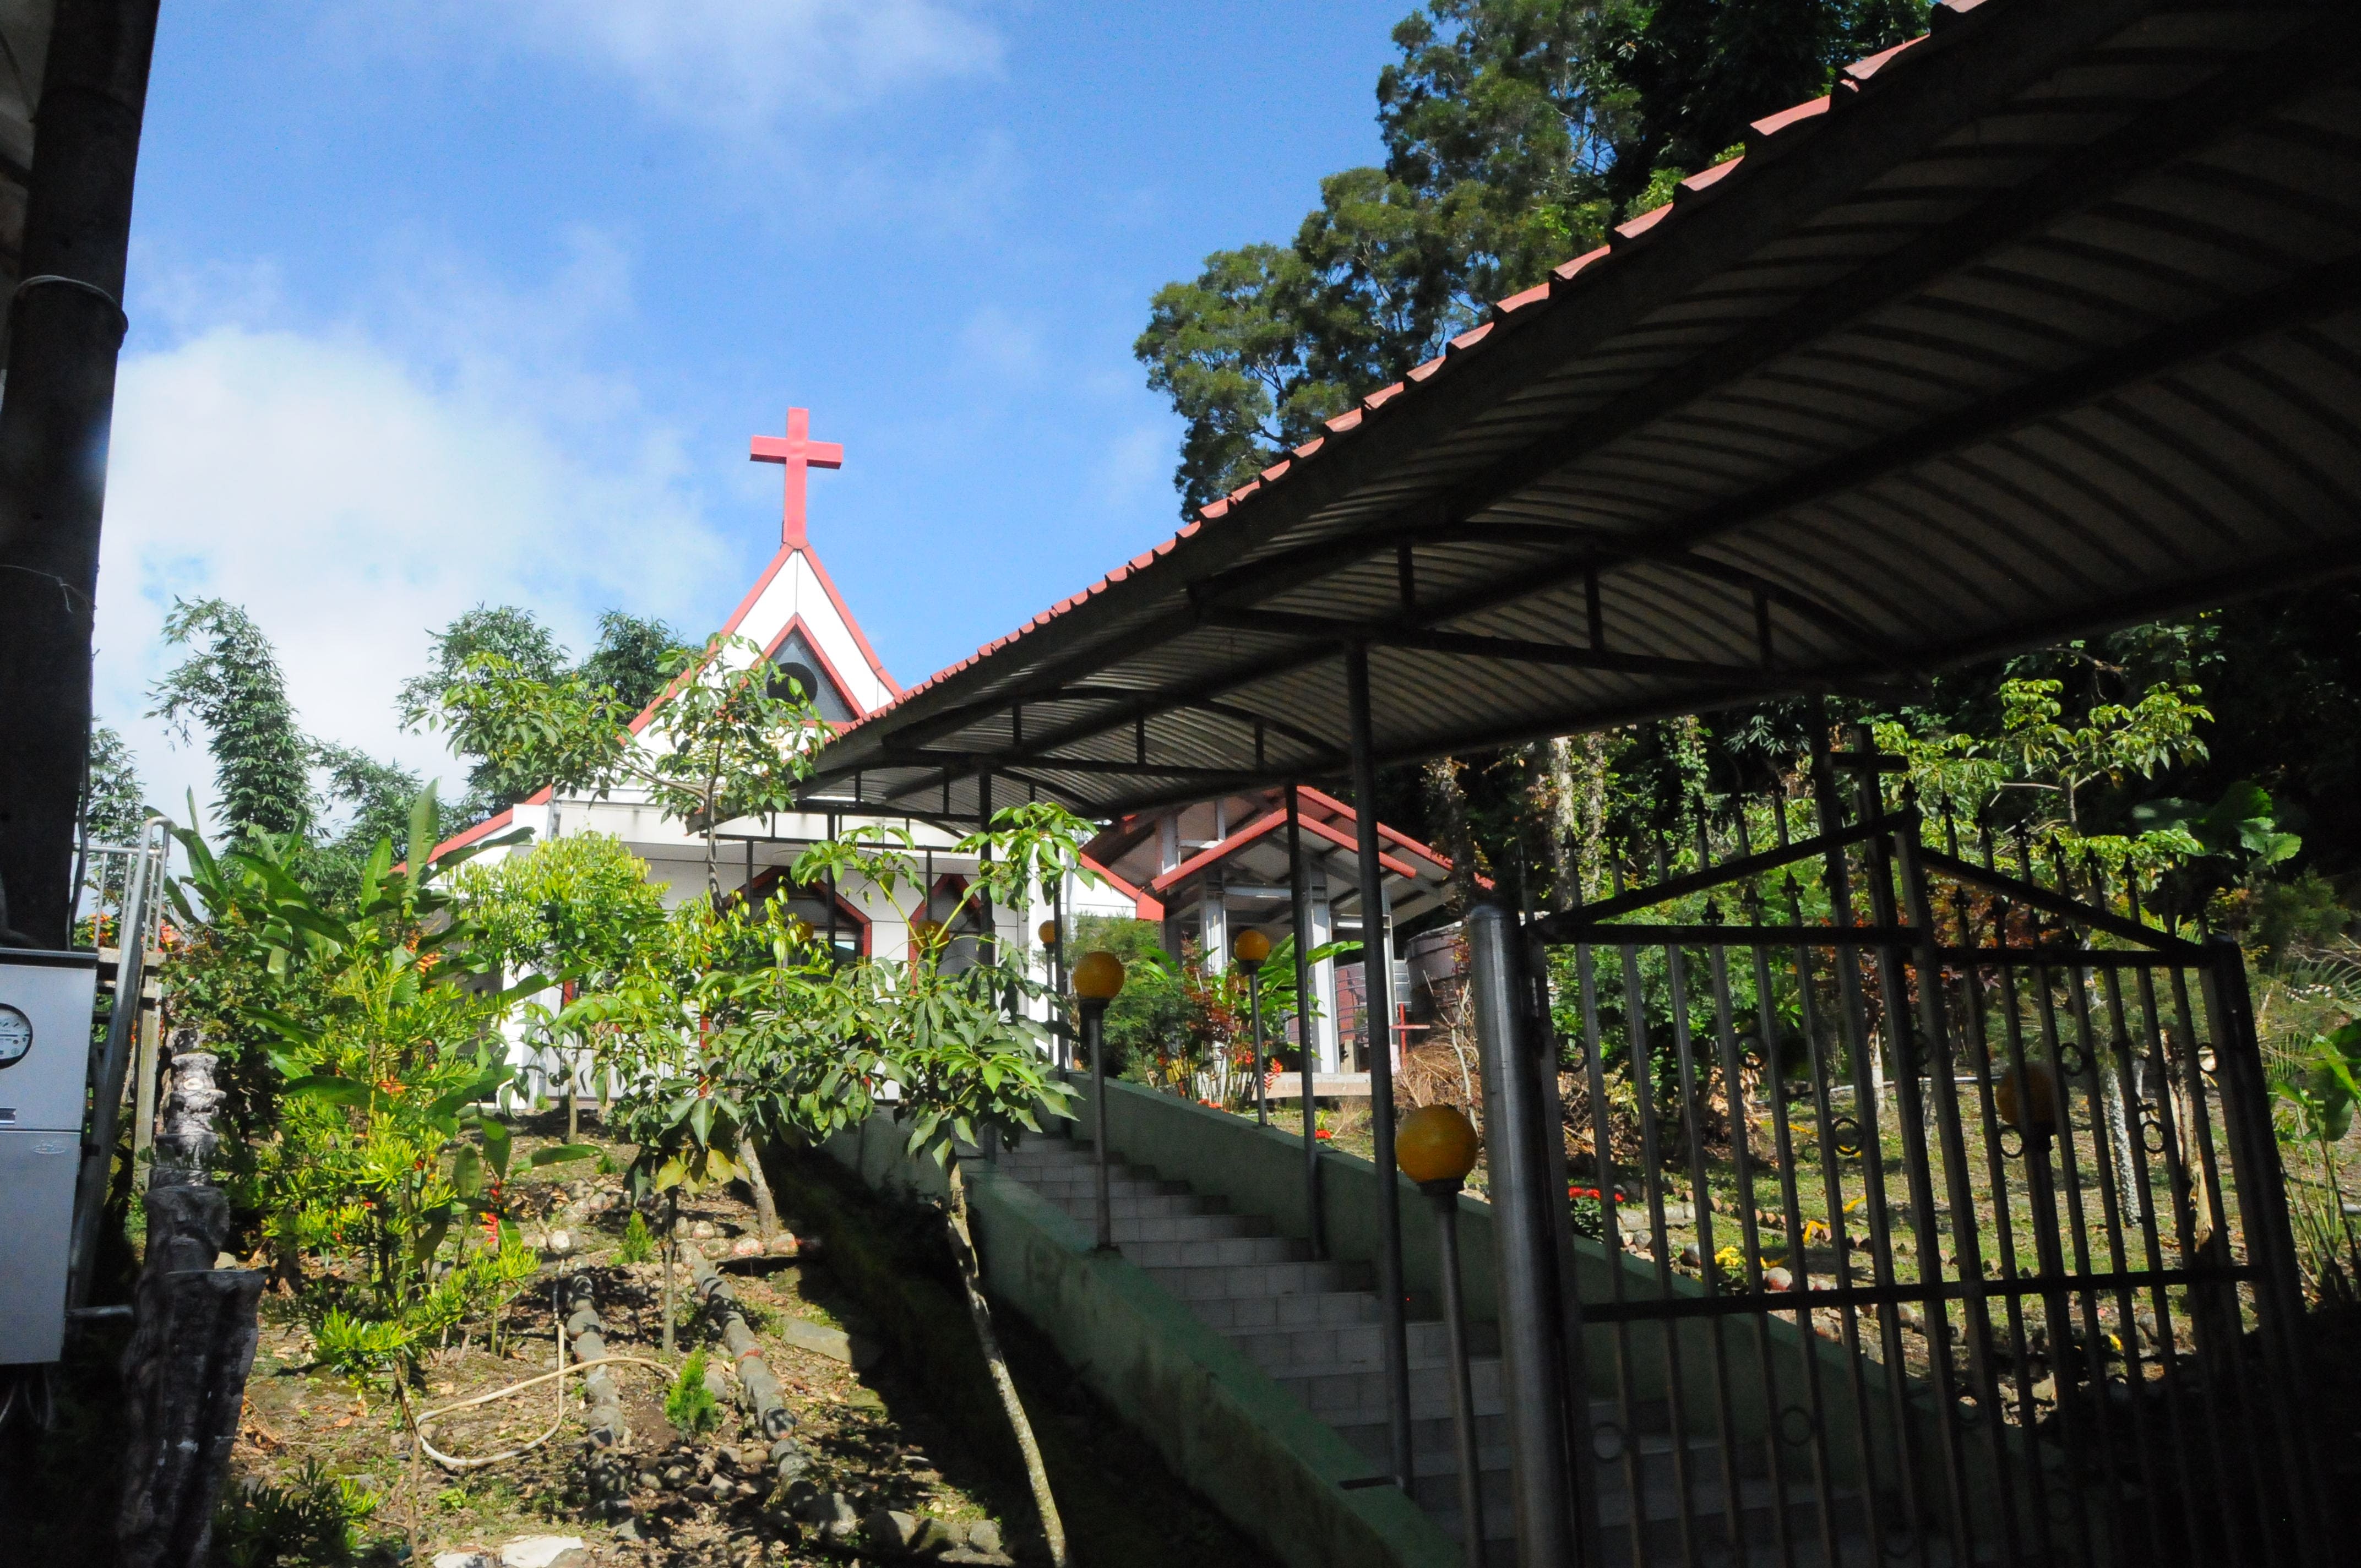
(1185, 869)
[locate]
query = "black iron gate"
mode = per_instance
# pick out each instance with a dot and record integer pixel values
(1936, 1212)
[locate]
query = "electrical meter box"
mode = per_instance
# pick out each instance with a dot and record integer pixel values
(46, 1001)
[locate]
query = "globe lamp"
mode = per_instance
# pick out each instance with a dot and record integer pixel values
(2026, 1099)
(1250, 949)
(1048, 932)
(1098, 978)
(1436, 1146)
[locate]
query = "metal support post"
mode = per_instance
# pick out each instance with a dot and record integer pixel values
(1094, 1036)
(1376, 1028)
(1308, 1053)
(1254, 1027)
(1445, 1195)
(2266, 1221)
(1523, 1210)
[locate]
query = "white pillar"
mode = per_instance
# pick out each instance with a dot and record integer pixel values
(1214, 923)
(1324, 974)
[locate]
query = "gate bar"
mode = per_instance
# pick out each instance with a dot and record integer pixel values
(1376, 1033)
(1527, 1249)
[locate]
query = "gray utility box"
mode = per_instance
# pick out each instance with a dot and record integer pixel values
(46, 1001)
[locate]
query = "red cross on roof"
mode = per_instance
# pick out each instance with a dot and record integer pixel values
(797, 453)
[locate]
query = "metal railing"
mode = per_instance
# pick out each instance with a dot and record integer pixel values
(1965, 1237)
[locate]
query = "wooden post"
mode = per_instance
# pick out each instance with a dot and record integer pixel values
(65, 326)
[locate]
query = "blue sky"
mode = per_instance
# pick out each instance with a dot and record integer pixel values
(438, 302)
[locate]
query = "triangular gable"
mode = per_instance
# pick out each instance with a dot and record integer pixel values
(794, 654)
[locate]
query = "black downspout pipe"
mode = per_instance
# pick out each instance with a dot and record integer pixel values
(1378, 1031)
(65, 330)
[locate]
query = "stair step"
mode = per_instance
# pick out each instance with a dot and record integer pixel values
(1314, 1327)
(1194, 1282)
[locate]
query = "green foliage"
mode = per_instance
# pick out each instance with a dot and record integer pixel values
(722, 745)
(624, 670)
(1146, 1013)
(519, 643)
(232, 685)
(112, 808)
(312, 1519)
(690, 1407)
(370, 1044)
(1514, 131)
(1684, 77)
(638, 1245)
(630, 660)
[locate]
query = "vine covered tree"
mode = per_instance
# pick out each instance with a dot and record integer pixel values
(232, 685)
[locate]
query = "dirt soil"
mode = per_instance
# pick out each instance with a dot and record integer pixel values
(874, 1435)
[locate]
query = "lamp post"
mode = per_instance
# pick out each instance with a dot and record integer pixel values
(1052, 957)
(1435, 1146)
(1250, 949)
(1097, 980)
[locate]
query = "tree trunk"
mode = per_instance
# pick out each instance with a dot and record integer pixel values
(1450, 802)
(766, 1208)
(1562, 820)
(1592, 768)
(671, 1261)
(980, 1312)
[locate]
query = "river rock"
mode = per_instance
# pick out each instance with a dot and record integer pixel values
(462, 1560)
(933, 1536)
(702, 1231)
(890, 1530)
(542, 1550)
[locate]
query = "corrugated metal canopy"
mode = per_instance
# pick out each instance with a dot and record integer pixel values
(2045, 322)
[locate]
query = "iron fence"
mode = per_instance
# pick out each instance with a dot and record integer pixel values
(1938, 1216)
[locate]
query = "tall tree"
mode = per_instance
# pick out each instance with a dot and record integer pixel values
(231, 683)
(630, 658)
(1514, 131)
(1682, 79)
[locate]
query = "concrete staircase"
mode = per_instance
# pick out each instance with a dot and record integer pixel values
(1313, 1326)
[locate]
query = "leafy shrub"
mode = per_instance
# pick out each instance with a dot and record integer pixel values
(691, 1407)
(638, 1244)
(359, 1347)
(311, 1520)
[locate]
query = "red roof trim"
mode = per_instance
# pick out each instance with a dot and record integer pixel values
(1320, 797)
(1220, 849)
(1148, 908)
(466, 835)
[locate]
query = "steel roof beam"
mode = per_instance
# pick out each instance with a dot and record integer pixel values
(1407, 634)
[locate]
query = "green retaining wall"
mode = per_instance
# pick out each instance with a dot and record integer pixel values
(1223, 1425)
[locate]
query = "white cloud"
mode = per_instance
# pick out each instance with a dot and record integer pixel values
(740, 66)
(353, 502)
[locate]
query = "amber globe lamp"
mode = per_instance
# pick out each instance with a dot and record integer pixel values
(2026, 1099)
(1099, 976)
(1437, 1144)
(927, 933)
(1250, 949)
(1047, 932)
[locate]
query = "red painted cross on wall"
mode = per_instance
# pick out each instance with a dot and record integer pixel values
(797, 453)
